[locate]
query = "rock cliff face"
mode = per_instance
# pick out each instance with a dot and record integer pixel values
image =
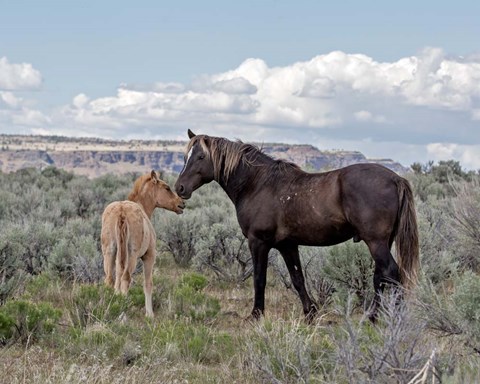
(312, 159)
(95, 157)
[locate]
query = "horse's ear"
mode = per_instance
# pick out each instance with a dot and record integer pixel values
(191, 135)
(154, 176)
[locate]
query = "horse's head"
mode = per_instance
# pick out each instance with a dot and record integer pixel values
(198, 168)
(163, 196)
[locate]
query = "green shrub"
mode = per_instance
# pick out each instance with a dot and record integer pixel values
(7, 327)
(438, 258)
(162, 288)
(27, 322)
(288, 352)
(83, 198)
(455, 315)
(319, 287)
(12, 249)
(466, 299)
(58, 175)
(465, 223)
(99, 341)
(90, 304)
(76, 257)
(349, 266)
(194, 280)
(182, 341)
(191, 302)
(223, 249)
(392, 350)
(41, 237)
(179, 235)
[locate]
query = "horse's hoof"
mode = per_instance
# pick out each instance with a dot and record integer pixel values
(311, 314)
(373, 317)
(254, 316)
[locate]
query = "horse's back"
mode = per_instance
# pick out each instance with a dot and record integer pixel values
(368, 184)
(327, 208)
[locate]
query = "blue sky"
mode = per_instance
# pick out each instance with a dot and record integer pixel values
(398, 80)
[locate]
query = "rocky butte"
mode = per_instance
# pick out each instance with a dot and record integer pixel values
(94, 157)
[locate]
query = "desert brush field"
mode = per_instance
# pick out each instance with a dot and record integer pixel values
(59, 323)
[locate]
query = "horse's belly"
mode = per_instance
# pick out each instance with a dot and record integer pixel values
(317, 234)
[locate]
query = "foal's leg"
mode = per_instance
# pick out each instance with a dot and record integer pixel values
(292, 260)
(108, 251)
(119, 267)
(259, 250)
(130, 265)
(386, 271)
(148, 261)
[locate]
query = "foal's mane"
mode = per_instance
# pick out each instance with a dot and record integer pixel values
(227, 155)
(138, 186)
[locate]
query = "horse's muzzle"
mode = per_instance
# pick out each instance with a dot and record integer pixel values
(182, 192)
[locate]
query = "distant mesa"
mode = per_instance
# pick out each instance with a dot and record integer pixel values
(95, 157)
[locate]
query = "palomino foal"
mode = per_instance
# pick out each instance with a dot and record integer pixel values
(128, 234)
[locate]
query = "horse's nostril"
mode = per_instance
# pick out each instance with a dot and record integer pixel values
(181, 189)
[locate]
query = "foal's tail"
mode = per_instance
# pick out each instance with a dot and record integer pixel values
(122, 235)
(406, 240)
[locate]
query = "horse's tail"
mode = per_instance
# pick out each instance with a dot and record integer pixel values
(406, 240)
(122, 234)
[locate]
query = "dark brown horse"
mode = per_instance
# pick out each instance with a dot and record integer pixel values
(280, 206)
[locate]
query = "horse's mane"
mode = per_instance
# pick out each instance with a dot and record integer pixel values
(227, 155)
(138, 186)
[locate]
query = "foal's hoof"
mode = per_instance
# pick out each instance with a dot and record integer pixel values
(122, 319)
(149, 315)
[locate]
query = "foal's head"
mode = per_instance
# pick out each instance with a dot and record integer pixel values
(151, 190)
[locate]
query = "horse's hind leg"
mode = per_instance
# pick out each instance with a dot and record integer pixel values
(386, 271)
(292, 260)
(148, 262)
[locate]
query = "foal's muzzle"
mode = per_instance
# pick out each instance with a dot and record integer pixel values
(180, 207)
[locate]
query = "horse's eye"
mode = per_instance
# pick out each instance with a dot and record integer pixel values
(202, 156)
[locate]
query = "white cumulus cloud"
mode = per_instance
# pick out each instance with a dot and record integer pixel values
(18, 76)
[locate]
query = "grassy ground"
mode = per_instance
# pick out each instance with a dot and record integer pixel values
(200, 335)
(196, 335)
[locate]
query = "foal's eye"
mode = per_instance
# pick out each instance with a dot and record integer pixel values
(168, 189)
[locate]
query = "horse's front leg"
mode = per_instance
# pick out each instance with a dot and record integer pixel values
(259, 250)
(292, 260)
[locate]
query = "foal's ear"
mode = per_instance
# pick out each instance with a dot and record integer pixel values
(154, 176)
(191, 135)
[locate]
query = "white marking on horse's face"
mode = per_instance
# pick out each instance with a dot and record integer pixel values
(189, 154)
